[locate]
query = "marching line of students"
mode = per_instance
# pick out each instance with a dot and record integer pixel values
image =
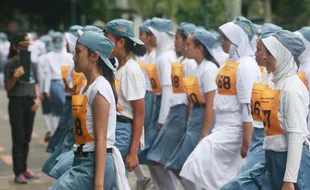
(203, 119)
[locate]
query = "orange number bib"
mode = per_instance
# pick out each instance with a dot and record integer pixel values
(303, 78)
(177, 74)
(255, 101)
(269, 102)
(192, 90)
(78, 81)
(65, 73)
(79, 110)
(141, 64)
(226, 79)
(117, 86)
(151, 70)
(263, 71)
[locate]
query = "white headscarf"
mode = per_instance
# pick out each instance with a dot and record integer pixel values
(304, 58)
(71, 40)
(286, 65)
(165, 41)
(240, 45)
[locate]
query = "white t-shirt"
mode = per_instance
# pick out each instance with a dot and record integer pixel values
(103, 87)
(52, 68)
(228, 108)
(148, 58)
(292, 113)
(131, 86)
(206, 73)
(189, 69)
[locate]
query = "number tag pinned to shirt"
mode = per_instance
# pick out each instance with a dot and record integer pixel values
(79, 110)
(177, 74)
(255, 101)
(192, 90)
(269, 102)
(152, 73)
(65, 73)
(226, 79)
(78, 81)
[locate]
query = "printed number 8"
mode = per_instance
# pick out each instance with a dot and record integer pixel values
(78, 127)
(225, 83)
(175, 81)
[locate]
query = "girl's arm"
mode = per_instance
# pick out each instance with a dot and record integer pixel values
(100, 110)
(137, 125)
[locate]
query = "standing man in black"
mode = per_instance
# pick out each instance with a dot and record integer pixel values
(21, 84)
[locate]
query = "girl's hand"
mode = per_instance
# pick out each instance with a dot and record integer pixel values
(288, 186)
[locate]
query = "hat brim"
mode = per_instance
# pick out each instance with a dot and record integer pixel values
(108, 63)
(136, 40)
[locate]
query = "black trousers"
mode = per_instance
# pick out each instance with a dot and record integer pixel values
(21, 120)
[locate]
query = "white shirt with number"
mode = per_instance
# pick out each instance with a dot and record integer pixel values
(131, 86)
(103, 87)
(228, 107)
(189, 66)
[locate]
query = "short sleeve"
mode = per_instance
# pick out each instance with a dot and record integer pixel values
(246, 76)
(104, 88)
(208, 77)
(133, 84)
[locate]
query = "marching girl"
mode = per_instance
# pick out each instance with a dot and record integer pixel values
(130, 87)
(64, 122)
(53, 87)
(285, 108)
(61, 159)
(144, 182)
(228, 143)
(268, 29)
(256, 153)
(175, 125)
(304, 60)
(160, 77)
(46, 107)
(97, 163)
(203, 47)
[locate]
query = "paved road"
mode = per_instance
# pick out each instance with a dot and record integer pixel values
(37, 155)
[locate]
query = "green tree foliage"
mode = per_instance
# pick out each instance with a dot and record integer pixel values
(183, 10)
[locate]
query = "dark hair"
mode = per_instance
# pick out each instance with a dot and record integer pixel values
(184, 37)
(14, 44)
(131, 46)
(207, 54)
(13, 51)
(107, 73)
